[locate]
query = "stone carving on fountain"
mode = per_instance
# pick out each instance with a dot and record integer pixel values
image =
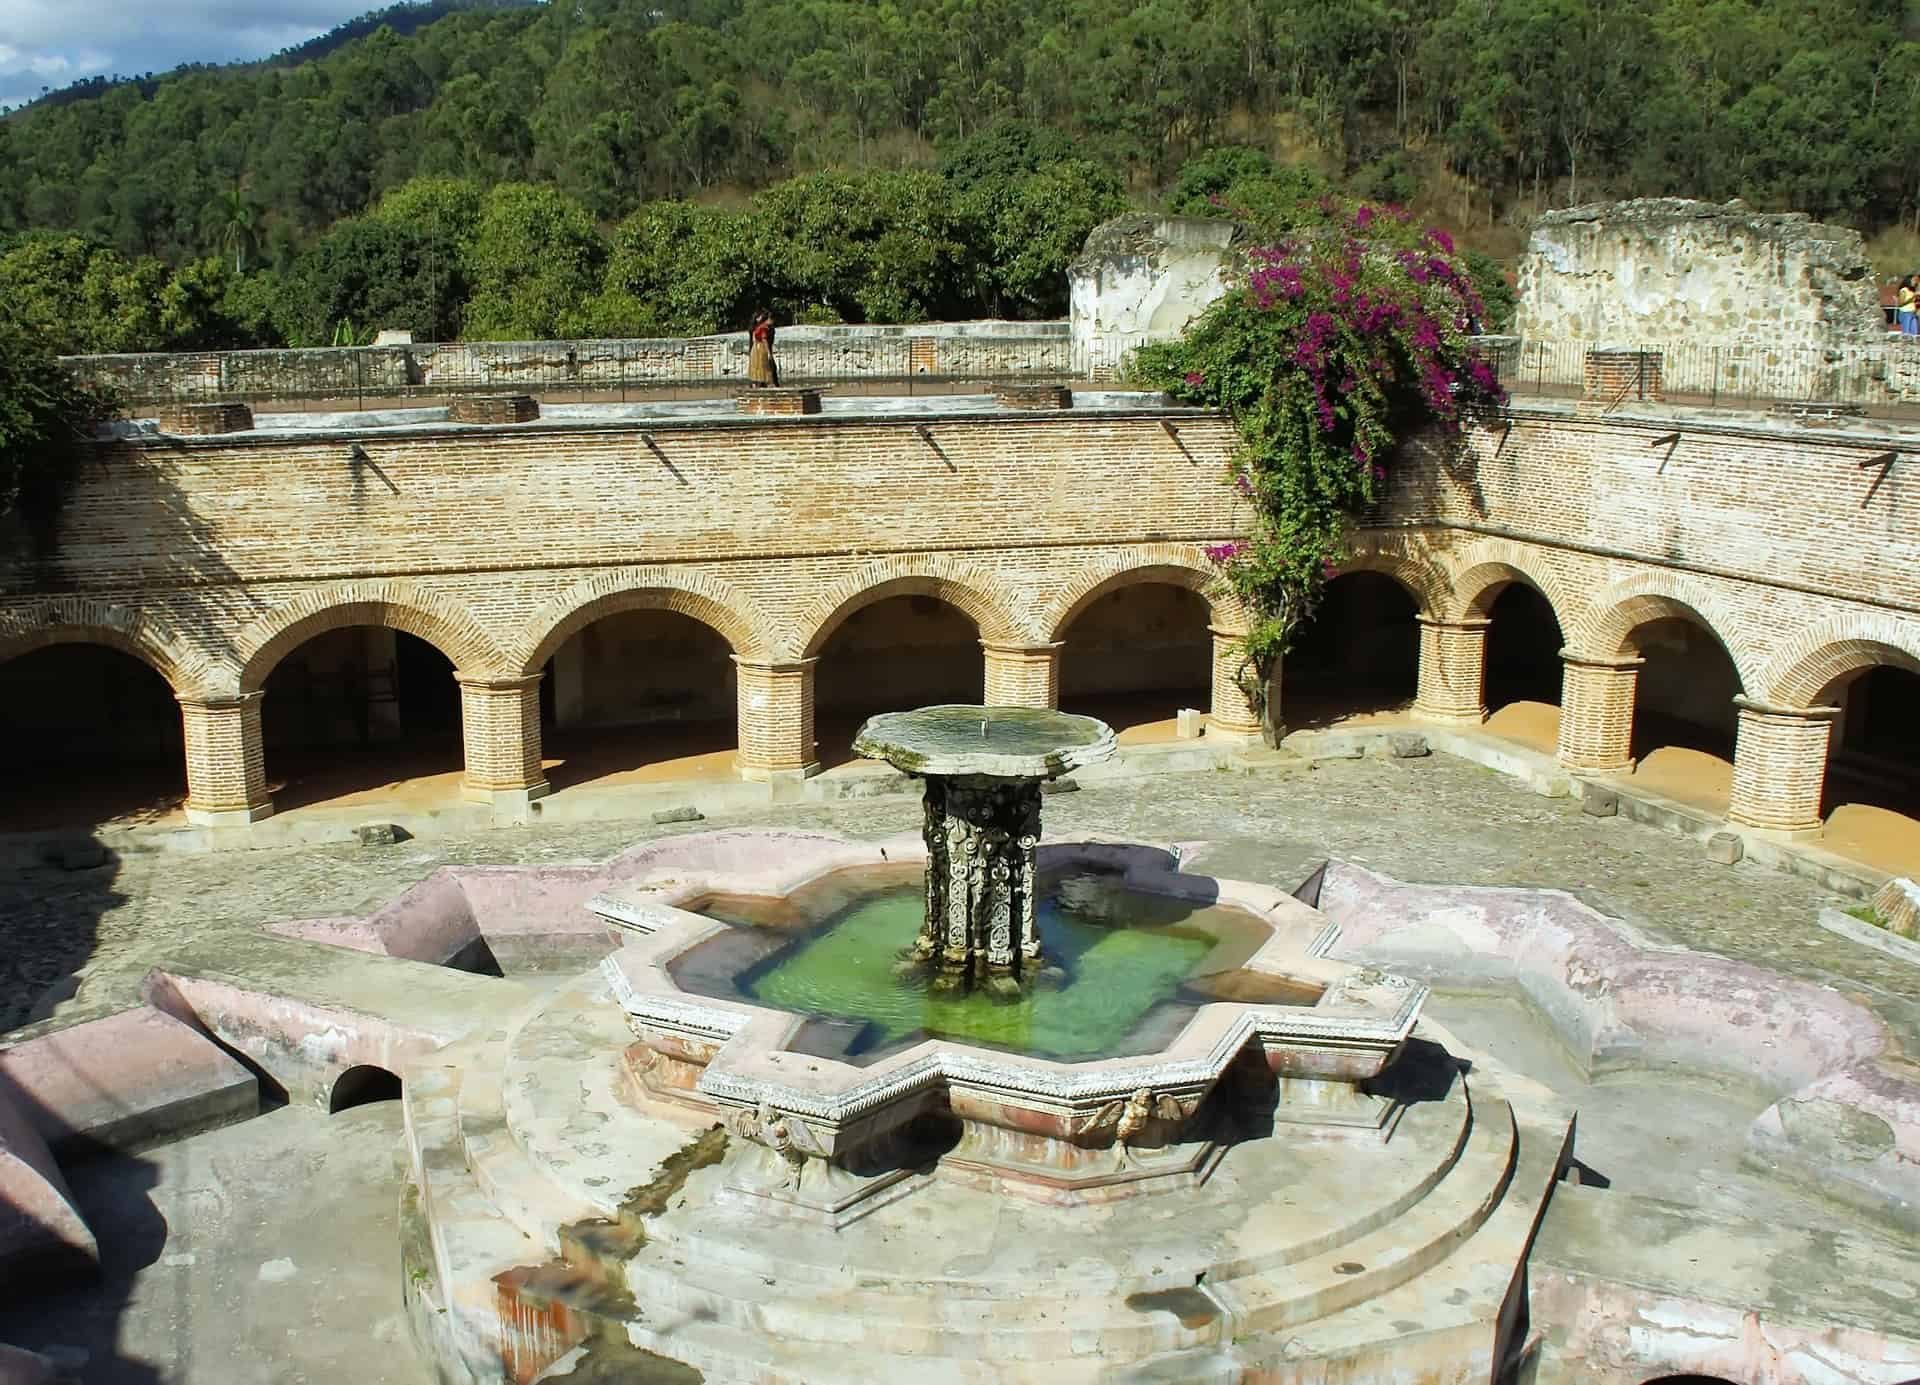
(982, 806)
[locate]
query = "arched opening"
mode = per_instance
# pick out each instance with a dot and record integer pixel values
(1871, 802)
(1357, 659)
(94, 737)
(1522, 688)
(361, 713)
(897, 653)
(1691, 1380)
(640, 696)
(362, 1086)
(1135, 656)
(1684, 720)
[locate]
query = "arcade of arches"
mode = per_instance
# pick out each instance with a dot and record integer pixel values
(1649, 690)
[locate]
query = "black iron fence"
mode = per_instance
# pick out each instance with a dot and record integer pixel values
(934, 358)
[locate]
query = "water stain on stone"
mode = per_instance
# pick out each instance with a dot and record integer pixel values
(1193, 1308)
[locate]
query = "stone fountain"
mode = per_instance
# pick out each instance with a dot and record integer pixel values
(756, 1145)
(983, 768)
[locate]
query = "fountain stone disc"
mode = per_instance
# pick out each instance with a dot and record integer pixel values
(957, 740)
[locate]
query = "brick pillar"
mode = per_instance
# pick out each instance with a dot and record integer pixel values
(1022, 675)
(1596, 712)
(1453, 670)
(1231, 717)
(1780, 766)
(776, 721)
(226, 761)
(500, 722)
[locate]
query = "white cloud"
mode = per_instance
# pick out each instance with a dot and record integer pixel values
(50, 43)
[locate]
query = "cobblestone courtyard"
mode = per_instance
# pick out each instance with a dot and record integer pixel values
(79, 941)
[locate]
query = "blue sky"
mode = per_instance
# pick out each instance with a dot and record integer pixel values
(50, 43)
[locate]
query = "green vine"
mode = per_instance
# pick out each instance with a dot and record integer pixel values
(1350, 333)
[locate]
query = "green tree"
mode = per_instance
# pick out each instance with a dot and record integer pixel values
(534, 262)
(45, 416)
(372, 274)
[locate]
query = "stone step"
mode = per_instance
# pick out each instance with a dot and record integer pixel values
(1419, 1238)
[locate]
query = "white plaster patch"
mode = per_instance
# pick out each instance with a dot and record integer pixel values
(277, 1271)
(181, 1260)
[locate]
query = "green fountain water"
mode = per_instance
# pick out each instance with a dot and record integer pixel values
(1104, 977)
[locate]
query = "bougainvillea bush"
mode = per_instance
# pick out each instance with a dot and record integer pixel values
(1348, 334)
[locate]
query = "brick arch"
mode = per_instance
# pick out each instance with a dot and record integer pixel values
(1813, 660)
(1409, 563)
(75, 620)
(1605, 629)
(439, 620)
(975, 591)
(1173, 564)
(695, 594)
(1484, 570)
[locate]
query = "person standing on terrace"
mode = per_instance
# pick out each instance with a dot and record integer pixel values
(1908, 311)
(762, 370)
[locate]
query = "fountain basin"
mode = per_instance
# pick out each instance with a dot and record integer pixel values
(839, 1127)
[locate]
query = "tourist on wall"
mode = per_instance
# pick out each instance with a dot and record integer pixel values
(762, 369)
(1909, 310)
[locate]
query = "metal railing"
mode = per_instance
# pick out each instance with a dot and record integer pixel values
(1875, 377)
(930, 358)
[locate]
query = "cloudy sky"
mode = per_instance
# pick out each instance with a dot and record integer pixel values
(50, 43)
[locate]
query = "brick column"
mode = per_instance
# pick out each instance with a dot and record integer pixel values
(1231, 716)
(1453, 670)
(776, 721)
(1780, 766)
(500, 722)
(226, 761)
(1596, 712)
(1022, 675)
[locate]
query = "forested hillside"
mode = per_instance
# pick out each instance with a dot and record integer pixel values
(637, 165)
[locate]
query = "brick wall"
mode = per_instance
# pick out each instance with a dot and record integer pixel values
(219, 553)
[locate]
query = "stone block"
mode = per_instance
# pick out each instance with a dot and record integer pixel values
(779, 401)
(1016, 395)
(381, 833)
(1188, 723)
(686, 812)
(42, 1235)
(493, 408)
(1725, 848)
(125, 1082)
(1408, 745)
(1066, 785)
(1599, 803)
(204, 420)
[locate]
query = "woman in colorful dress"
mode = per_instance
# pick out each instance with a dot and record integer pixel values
(762, 370)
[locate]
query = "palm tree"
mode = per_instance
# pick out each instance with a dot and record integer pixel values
(235, 221)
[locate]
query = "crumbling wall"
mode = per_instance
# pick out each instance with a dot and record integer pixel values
(1143, 278)
(1669, 270)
